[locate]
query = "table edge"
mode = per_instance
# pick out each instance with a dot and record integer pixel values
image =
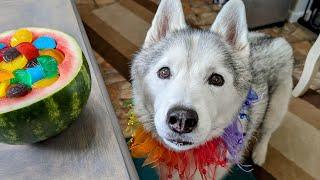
(114, 121)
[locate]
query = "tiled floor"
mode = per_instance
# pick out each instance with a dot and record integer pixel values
(119, 90)
(288, 156)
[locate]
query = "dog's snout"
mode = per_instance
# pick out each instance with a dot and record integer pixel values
(182, 119)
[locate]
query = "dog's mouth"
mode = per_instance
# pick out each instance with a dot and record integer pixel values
(180, 142)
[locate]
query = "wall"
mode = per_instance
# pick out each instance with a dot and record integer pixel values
(297, 9)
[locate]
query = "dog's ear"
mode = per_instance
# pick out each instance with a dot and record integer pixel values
(169, 18)
(231, 24)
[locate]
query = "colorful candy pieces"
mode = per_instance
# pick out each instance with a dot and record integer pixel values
(28, 50)
(2, 45)
(32, 63)
(45, 42)
(3, 88)
(18, 63)
(36, 73)
(22, 76)
(11, 54)
(2, 51)
(56, 54)
(26, 64)
(20, 36)
(45, 82)
(49, 65)
(18, 90)
(5, 75)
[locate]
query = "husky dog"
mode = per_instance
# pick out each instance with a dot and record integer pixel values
(189, 84)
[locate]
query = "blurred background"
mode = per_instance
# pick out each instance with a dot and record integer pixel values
(116, 29)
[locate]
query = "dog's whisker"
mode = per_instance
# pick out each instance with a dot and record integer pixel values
(147, 122)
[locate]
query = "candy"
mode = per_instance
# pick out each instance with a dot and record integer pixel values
(45, 82)
(18, 63)
(22, 76)
(36, 73)
(28, 64)
(49, 65)
(56, 54)
(32, 63)
(28, 50)
(2, 52)
(22, 35)
(45, 42)
(3, 88)
(5, 75)
(18, 90)
(11, 54)
(2, 45)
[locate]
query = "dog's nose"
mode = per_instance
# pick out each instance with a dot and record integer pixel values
(182, 119)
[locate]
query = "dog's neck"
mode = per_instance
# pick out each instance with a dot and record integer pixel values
(234, 134)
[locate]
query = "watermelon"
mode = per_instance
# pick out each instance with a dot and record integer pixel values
(47, 111)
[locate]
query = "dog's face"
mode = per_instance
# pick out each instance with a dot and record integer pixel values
(189, 84)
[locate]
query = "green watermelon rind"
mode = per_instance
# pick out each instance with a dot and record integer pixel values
(49, 116)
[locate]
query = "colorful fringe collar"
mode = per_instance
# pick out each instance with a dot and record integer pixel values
(205, 158)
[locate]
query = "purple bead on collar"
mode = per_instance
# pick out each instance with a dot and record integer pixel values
(233, 135)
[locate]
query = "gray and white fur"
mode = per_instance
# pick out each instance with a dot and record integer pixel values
(244, 59)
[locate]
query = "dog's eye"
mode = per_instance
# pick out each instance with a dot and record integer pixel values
(164, 73)
(216, 79)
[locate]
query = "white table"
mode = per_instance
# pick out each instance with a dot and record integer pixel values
(311, 67)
